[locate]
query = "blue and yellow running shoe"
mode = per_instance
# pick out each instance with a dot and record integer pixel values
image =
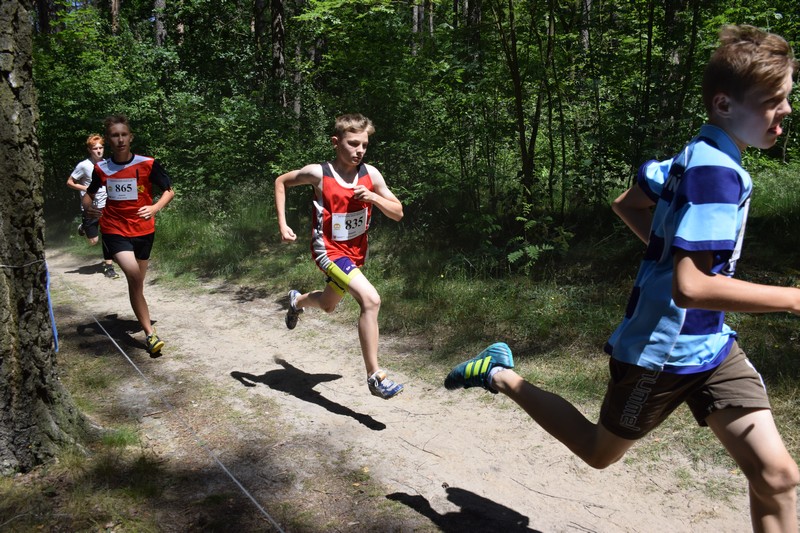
(475, 372)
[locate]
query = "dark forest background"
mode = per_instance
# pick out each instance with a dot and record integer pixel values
(501, 125)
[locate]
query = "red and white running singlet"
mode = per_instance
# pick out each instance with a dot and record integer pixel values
(129, 186)
(339, 221)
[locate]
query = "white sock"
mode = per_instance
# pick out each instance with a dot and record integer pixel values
(492, 372)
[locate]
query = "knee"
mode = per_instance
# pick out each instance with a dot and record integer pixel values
(600, 454)
(371, 302)
(773, 480)
(328, 307)
(93, 241)
(601, 461)
(135, 283)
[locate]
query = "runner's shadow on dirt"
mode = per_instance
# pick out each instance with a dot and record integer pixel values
(120, 330)
(88, 270)
(477, 513)
(301, 385)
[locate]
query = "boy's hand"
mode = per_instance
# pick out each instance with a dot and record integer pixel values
(362, 193)
(287, 235)
(93, 211)
(146, 212)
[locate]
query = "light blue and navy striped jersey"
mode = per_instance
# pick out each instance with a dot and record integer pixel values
(702, 197)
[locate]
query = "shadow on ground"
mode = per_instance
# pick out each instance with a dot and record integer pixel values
(93, 335)
(477, 513)
(88, 270)
(301, 385)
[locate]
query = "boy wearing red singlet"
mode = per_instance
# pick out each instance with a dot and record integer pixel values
(345, 190)
(127, 221)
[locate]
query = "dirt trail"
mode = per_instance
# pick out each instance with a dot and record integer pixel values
(448, 456)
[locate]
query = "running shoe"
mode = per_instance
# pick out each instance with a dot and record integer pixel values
(81, 231)
(109, 272)
(383, 387)
(154, 345)
(476, 371)
(293, 313)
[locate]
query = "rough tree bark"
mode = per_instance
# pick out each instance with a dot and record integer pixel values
(36, 414)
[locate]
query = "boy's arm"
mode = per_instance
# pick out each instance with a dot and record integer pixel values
(147, 211)
(308, 175)
(381, 197)
(87, 200)
(72, 184)
(634, 207)
(694, 286)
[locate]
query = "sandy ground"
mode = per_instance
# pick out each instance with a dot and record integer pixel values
(448, 457)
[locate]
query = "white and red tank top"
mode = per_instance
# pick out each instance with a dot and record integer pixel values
(340, 221)
(129, 186)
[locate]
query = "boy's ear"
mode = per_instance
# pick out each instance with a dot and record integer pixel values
(721, 105)
(334, 141)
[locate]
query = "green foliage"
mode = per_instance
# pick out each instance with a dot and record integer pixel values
(493, 131)
(539, 235)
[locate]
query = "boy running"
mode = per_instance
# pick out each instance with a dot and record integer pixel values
(127, 221)
(79, 180)
(673, 346)
(345, 190)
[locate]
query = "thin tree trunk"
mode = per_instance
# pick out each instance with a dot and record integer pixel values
(508, 41)
(36, 414)
(159, 6)
(278, 12)
(416, 22)
(474, 18)
(115, 8)
(259, 22)
(43, 8)
(642, 122)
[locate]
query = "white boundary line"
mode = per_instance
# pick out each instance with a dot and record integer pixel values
(185, 424)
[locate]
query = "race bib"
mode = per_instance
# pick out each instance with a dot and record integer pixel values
(348, 226)
(121, 189)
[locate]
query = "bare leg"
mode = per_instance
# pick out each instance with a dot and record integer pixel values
(135, 271)
(591, 442)
(365, 294)
(370, 302)
(326, 299)
(752, 439)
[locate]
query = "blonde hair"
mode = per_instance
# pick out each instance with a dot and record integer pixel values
(747, 57)
(93, 139)
(354, 123)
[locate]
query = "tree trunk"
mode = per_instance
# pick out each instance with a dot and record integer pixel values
(115, 6)
(259, 22)
(159, 7)
(36, 414)
(43, 8)
(278, 12)
(508, 41)
(416, 22)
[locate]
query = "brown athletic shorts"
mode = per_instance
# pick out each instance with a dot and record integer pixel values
(638, 399)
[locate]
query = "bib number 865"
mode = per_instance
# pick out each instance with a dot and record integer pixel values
(121, 189)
